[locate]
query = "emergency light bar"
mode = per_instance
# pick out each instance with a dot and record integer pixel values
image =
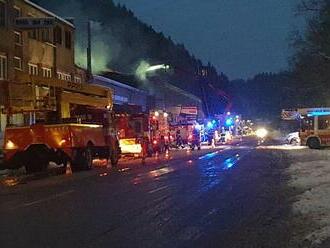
(318, 113)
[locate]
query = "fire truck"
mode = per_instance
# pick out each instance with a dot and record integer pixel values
(315, 127)
(64, 122)
(135, 129)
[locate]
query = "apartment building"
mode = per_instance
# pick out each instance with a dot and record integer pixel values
(35, 61)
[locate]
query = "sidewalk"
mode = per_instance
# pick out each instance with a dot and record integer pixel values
(309, 174)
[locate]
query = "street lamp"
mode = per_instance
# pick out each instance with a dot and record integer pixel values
(157, 67)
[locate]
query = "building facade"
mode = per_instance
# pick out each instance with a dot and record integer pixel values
(169, 97)
(126, 97)
(35, 61)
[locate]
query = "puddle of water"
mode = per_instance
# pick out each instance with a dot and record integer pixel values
(209, 155)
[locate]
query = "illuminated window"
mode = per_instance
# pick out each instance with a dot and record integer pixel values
(3, 67)
(33, 69)
(46, 72)
(18, 38)
(18, 63)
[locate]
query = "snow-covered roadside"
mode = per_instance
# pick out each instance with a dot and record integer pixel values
(310, 176)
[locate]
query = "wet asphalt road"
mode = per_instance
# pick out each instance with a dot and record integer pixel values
(225, 197)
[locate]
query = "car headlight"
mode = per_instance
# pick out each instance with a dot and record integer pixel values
(261, 133)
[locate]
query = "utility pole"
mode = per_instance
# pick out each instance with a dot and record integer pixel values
(203, 73)
(89, 50)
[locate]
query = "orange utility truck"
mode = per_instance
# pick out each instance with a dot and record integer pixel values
(63, 122)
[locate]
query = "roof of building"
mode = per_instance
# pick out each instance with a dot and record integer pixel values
(49, 13)
(182, 92)
(104, 81)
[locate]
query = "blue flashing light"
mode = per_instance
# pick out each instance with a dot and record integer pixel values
(214, 122)
(318, 113)
(229, 122)
(209, 124)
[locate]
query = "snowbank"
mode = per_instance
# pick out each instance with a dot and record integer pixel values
(310, 174)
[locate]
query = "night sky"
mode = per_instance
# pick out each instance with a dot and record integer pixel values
(240, 37)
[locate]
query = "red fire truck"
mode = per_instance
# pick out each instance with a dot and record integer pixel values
(315, 127)
(134, 129)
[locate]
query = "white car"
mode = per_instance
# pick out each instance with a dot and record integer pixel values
(293, 138)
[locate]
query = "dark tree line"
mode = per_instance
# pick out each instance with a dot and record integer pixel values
(311, 62)
(307, 81)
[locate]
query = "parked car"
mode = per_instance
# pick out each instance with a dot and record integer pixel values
(293, 138)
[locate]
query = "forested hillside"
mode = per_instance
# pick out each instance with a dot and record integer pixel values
(121, 42)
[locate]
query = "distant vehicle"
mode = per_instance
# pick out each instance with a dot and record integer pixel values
(293, 138)
(37, 145)
(73, 135)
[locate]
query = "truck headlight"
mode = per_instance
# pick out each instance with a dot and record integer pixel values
(10, 145)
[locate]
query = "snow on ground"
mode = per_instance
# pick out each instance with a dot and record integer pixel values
(310, 175)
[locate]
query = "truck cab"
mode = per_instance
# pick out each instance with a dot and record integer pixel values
(315, 127)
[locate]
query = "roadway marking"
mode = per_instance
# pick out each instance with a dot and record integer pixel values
(158, 189)
(48, 198)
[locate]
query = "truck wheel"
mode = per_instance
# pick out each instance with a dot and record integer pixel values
(313, 143)
(36, 161)
(114, 157)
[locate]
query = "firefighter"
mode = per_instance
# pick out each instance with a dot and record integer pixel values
(111, 139)
(179, 142)
(162, 145)
(145, 148)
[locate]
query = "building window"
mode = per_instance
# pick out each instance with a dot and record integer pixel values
(33, 69)
(67, 77)
(2, 14)
(3, 67)
(68, 39)
(77, 80)
(58, 35)
(64, 76)
(18, 63)
(46, 72)
(32, 34)
(18, 38)
(17, 11)
(45, 36)
(60, 76)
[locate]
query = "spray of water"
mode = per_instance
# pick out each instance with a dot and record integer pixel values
(142, 70)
